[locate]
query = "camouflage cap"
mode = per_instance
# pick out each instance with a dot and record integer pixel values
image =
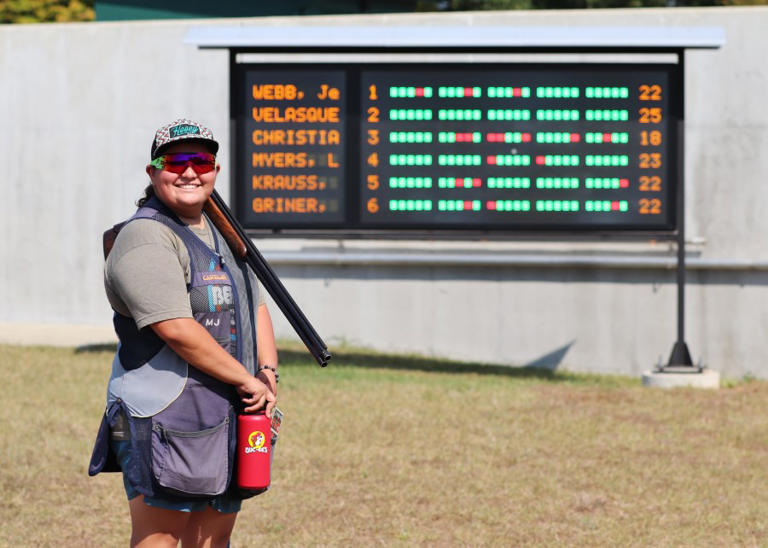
(182, 129)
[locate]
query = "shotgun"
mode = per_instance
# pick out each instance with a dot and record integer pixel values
(242, 246)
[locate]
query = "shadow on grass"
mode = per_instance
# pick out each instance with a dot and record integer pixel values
(104, 347)
(544, 368)
(357, 358)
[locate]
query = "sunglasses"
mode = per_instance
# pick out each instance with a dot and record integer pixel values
(201, 162)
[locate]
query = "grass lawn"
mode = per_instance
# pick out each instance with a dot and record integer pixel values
(401, 451)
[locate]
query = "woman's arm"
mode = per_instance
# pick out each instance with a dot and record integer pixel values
(266, 349)
(195, 345)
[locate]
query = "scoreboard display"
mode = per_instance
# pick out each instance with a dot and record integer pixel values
(456, 147)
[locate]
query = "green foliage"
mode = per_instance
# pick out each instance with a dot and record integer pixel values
(46, 11)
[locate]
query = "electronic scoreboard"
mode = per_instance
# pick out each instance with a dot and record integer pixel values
(456, 148)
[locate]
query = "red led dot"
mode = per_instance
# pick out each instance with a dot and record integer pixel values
(575, 137)
(490, 205)
(419, 92)
(517, 92)
(614, 206)
(540, 160)
(526, 137)
(476, 182)
(624, 183)
(467, 92)
(606, 137)
(468, 204)
(491, 160)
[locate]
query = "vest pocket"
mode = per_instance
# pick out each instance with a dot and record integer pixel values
(191, 463)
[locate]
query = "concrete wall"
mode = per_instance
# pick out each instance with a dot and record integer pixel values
(79, 104)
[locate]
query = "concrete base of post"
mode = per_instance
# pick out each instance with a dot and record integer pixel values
(671, 377)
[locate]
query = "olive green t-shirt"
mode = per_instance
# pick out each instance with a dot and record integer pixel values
(147, 272)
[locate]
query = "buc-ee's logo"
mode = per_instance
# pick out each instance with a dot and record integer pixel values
(256, 441)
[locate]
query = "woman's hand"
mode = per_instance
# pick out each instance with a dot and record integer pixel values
(256, 395)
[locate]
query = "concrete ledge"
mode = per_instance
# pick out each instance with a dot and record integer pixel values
(707, 378)
(56, 334)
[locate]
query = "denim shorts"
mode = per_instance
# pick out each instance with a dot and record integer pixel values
(221, 503)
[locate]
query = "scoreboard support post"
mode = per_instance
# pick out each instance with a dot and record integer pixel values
(680, 358)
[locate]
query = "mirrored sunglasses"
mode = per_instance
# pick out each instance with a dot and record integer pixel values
(201, 162)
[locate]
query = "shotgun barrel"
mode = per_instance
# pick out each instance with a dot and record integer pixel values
(242, 246)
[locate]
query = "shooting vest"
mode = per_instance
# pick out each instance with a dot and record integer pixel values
(181, 420)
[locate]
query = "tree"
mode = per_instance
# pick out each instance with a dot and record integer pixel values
(46, 11)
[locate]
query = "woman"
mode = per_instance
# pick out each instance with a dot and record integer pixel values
(192, 352)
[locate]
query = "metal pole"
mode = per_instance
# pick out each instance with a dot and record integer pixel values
(680, 358)
(680, 355)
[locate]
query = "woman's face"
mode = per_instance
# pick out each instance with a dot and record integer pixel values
(183, 193)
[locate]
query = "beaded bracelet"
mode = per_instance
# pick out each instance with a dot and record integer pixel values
(270, 368)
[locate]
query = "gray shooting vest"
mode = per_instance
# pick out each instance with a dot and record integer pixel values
(181, 420)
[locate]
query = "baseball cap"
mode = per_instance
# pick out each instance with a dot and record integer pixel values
(181, 129)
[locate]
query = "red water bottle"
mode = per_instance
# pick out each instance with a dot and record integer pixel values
(254, 451)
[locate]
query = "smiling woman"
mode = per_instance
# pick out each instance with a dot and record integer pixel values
(196, 347)
(183, 179)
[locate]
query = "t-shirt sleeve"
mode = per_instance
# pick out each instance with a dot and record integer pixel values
(145, 272)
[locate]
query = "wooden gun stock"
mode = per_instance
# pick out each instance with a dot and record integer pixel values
(242, 246)
(216, 215)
